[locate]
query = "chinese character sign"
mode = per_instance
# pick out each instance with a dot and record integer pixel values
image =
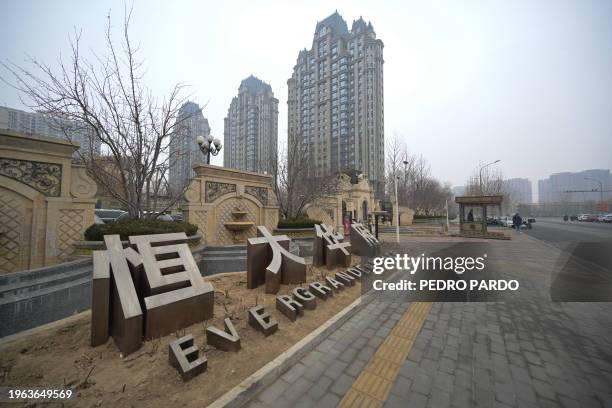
(329, 248)
(149, 289)
(363, 242)
(269, 262)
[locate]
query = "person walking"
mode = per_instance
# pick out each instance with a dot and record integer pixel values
(517, 221)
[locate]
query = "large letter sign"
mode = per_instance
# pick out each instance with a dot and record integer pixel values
(269, 262)
(154, 287)
(363, 242)
(329, 249)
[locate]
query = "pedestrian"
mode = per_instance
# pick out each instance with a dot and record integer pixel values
(470, 216)
(518, 222)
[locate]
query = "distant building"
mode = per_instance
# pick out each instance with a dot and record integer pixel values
(554, 189)
(335, 101)
(459, 191)
(36, 123)
(184, 150)
(251, 128)
(519, 190)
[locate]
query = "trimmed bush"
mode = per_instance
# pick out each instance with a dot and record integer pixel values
(127, 228)
(297, 223)
(428, 217)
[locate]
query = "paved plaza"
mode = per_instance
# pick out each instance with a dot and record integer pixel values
(526, 352)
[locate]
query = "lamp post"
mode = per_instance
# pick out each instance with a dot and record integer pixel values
(600, 188)
(397, 217)
(396, 211)
(480, 173)
(209, 146)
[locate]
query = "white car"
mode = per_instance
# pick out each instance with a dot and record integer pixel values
(607, 218)
(506, 222)
(583, 217)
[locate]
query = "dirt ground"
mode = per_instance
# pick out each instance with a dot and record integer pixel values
(61, 356)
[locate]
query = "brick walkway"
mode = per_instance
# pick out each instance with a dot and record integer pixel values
(527, 353)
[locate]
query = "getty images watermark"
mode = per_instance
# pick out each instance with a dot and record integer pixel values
(438, 264)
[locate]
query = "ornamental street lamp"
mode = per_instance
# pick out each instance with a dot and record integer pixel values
(209, 146)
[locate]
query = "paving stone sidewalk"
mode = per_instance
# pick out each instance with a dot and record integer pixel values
(530, 353)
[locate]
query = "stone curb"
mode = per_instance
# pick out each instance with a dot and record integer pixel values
(252, 385)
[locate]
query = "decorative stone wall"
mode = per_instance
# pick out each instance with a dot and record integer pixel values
(216, 192)
(45, 201)
(355, 197)
(406, 215)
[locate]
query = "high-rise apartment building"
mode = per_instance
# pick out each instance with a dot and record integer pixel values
(555, 188)
(184, 150)
(251, 128)
(40, 124)
(335, 101)
(519, 190)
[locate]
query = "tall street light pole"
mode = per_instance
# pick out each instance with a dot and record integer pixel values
(480, 173)
(397, 217)
(396, 210)
(209, 146)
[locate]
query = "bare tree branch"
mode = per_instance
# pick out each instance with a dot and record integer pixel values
(108, 97)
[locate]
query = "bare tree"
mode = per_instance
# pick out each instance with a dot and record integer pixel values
(295, 185)
(416, 188)
(107, 94)
(492, 182)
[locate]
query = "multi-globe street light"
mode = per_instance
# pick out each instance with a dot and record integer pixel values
(208, 146)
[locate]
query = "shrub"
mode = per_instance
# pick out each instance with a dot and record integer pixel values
(428, 217)
(127, 228)
(297, 223)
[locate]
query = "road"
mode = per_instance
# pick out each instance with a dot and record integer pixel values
(556, 231)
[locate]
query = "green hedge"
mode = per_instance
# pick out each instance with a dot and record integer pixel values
(297, 223)
(126, 228)
(428, 217)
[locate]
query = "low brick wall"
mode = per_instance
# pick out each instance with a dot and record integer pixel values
(32, 298)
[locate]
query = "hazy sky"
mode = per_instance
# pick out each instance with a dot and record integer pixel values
(466, 82)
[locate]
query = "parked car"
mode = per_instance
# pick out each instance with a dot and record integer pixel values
(177, 217)
(528, 222)
(591, 218)
(607, 218)
(107, 215)
(161, 217)
(506, 221)
(582, 217)
(98, 220)
(492, 221)
(573, 217)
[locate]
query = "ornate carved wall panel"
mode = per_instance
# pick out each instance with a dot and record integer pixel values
(70, 229)
(260, 193)
(44, 177)
(11, 232)
(215, 190)
(200, 216)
